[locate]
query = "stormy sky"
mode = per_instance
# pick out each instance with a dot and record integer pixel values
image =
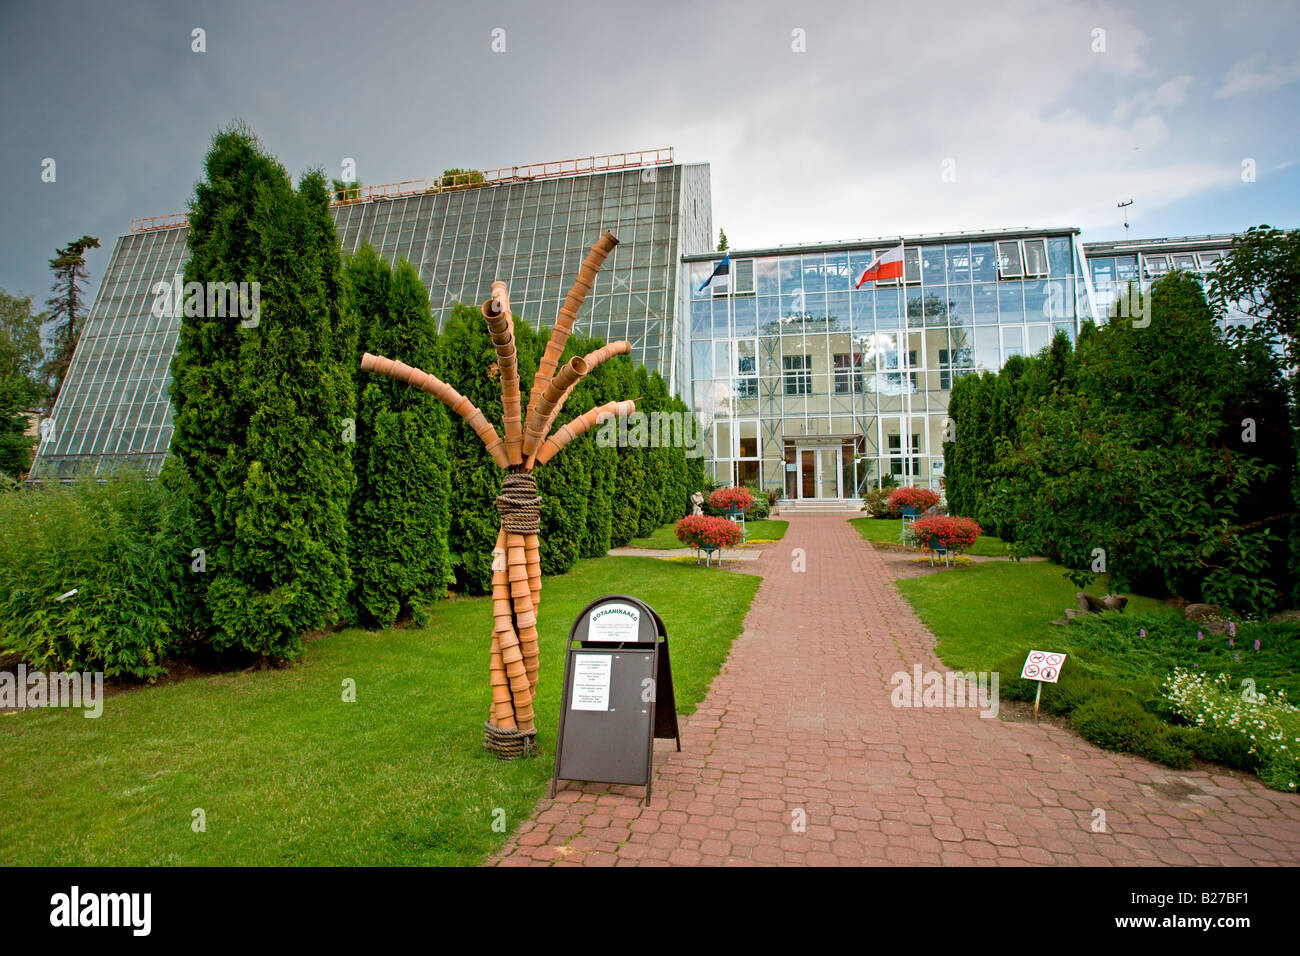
(821, 121)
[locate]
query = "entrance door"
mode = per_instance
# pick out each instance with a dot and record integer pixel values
(828, 472)
(819, 472)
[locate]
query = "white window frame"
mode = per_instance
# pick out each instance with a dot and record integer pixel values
(734, 284)
(1148, 266)
(1004, 273)
(1024, 259)
(1173, 261)
(907, 280)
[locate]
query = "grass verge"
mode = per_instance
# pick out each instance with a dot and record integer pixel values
(287, 773)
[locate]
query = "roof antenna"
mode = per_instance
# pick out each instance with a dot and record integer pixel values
(1124, 206)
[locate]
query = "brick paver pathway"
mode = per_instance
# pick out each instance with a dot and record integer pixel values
(798, 726)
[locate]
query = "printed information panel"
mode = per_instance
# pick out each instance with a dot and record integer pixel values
(618, 695)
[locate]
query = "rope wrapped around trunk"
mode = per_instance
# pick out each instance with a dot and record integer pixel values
(518, 504)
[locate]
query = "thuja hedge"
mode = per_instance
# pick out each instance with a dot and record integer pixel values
(134, 550)
(1157, 451)
(300, 495)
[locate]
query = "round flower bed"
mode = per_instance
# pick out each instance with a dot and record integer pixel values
(940, 533)
(912, 499)
(706, 533)
(733, 500)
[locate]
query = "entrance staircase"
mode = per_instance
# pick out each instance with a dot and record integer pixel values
(849, 507)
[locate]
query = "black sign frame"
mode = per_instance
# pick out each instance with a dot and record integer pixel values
(590, 746)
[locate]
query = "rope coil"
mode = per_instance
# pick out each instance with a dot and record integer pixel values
(518, 504)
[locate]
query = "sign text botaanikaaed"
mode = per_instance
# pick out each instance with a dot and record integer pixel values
(591, 674)
(1043, 666)
(612, 623)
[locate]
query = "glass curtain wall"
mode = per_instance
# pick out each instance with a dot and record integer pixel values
(797, 375)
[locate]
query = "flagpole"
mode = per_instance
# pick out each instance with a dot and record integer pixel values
(907, 373)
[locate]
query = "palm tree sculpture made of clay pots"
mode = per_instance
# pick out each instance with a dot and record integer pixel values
(510, 730)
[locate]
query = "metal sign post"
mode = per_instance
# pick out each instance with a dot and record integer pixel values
(618, 695)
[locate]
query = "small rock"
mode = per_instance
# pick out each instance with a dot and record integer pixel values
(1285, 617)
(1203, 612)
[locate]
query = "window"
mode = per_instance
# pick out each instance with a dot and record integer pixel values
(898, 461)
(1009, 264)
(1185, 261)
(1210, 260)
(945, 371)
(797, 375)
(911, 264)
(747, 439)
(1156, 265)
(746, 371)
(1035, 257)
(742, 273)
(847, 379)
(982, 259)
(894, 379)
(958, 263)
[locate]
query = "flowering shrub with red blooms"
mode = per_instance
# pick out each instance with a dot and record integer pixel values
(728, 499)
(707, 533)
(918, 499)
(946, 533)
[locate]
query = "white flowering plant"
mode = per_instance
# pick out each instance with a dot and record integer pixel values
(1267, 721)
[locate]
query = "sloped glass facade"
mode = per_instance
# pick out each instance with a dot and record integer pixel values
(114, 405)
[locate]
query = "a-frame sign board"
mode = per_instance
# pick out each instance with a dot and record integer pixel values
(618, 695)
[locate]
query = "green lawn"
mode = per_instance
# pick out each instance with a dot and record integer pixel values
(767, 529)
(986, 612)
(889, 529)
(987, 617)
(289, 774)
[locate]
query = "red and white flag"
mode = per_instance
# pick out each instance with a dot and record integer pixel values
(887, 265)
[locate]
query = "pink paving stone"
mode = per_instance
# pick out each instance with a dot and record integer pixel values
(800, 717)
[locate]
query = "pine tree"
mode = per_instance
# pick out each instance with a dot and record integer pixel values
(66, 310)
(399, 553)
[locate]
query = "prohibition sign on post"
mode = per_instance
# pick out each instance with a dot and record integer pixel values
(1042, 666)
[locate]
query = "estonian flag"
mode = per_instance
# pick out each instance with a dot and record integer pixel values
(722, 273)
